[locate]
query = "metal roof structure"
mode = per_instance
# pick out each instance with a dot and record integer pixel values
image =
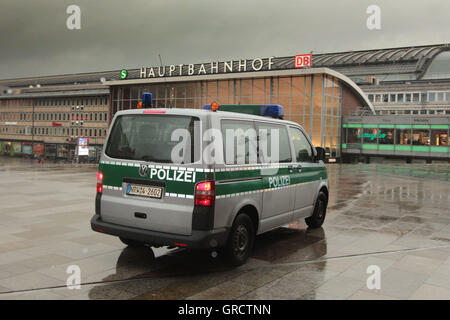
(54, 94)
(405, 60)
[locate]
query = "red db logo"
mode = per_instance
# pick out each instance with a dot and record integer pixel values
(304, 60)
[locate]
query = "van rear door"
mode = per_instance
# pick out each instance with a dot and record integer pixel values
(146, 184)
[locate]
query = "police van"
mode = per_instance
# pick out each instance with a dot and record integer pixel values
(207, 179)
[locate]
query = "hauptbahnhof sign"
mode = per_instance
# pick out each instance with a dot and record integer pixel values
(220, 67)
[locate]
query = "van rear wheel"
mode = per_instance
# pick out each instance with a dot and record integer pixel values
(320, 211)
(240, 240)
(131, 243)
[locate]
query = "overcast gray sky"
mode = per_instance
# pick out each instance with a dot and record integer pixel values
(129, 34)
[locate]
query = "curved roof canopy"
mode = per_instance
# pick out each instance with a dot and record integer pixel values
(413, 60)
(406, 60)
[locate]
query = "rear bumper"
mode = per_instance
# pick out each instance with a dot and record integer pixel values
(199, 239)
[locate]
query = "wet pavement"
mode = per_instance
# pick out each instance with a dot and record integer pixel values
(392, 216)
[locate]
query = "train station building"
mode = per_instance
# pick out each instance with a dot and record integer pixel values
(329, 94)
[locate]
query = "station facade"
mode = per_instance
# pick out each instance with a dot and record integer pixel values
(48, 122)
(328, 94)
(316, 98)
(53, 116)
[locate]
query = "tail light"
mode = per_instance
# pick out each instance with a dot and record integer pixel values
(205, 194)
(99, 182)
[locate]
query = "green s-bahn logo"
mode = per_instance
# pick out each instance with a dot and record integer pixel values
(123, 74)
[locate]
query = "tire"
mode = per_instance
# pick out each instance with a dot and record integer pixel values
(240, 240)
(131, 243)
(320, 211)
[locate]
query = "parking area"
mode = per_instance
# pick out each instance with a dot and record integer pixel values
(391, 217)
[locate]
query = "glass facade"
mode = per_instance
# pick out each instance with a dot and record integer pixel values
(397, 137)
(314, 101)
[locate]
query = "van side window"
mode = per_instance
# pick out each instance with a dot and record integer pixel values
(239, 142)
(270, 138)
(302, 147)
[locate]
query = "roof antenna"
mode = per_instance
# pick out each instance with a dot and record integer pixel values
(160, 60)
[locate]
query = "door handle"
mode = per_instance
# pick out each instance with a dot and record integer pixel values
(290, 168)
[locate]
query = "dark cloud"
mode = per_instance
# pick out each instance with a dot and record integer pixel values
(116, 34)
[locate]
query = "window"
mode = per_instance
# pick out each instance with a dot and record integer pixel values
(403, 136)
(440, 96)
(354, 135)
(421, 137)
(416, 97)
(385, 98)
(272, 136)
(239, 142)
(129, 138)
(302, 148)
(400, 97)
(386, 136)
(439, 138)
(423, 97)
(408, 97)
(431, 96)
(393, 98)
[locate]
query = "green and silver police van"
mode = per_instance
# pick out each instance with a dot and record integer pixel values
(207, 178)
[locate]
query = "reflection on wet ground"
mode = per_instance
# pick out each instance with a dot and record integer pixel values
(393, 216)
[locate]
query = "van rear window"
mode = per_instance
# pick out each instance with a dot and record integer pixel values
(154, 137)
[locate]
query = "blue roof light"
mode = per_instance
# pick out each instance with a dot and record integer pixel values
(147, 100)
(266, 110)
(272, 110)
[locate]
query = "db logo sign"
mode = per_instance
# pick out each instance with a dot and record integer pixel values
(304, 60)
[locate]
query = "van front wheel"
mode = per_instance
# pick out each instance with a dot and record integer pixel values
(240, 240)
(320, 210)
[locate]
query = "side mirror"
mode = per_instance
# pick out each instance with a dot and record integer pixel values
(320, 153)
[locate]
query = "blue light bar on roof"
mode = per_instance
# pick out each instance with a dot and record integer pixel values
(272, 110)
(266, 110)
(147, 100)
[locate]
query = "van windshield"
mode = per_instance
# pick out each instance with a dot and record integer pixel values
(154, 138)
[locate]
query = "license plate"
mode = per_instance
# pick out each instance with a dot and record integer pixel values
(145, 191)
